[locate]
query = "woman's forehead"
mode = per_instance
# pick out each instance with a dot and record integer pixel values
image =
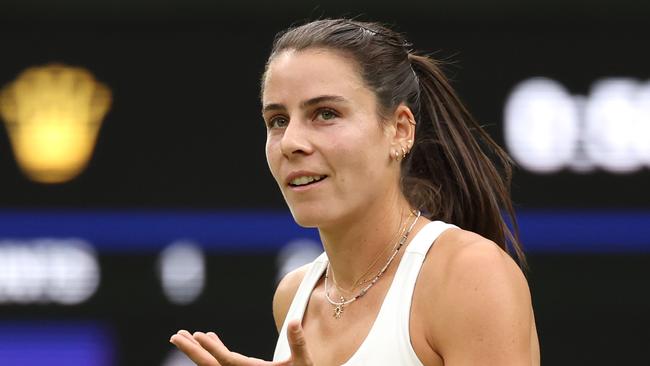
(311, 72)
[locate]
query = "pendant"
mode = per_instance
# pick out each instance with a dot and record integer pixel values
(338, 310)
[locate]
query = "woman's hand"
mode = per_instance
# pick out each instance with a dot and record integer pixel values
(206, 349)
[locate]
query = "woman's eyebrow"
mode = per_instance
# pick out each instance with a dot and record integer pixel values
(273, 107)
(307, 103)
(322, 98)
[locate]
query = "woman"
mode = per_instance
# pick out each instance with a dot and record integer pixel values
(368, 143)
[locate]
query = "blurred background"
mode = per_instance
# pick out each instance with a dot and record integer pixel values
(143, 204)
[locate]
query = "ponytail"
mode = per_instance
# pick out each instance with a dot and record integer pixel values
(449, 174)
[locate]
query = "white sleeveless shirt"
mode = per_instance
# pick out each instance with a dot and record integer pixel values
(388, 342)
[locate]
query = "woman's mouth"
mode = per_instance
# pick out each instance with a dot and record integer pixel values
(305, 181)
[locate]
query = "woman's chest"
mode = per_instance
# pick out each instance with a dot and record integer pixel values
(335, 333)
(367, 332)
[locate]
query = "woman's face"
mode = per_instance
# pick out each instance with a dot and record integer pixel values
(325, 146)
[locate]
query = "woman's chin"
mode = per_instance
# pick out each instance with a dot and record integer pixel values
(308, 217)
(308, 221)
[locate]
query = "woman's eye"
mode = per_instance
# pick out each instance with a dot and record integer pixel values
(327, 114)
(278, 122)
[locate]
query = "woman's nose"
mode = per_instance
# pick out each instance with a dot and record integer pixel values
(295, 140)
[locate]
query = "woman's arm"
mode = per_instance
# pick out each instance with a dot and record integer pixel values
(285, 293)
(482, 314)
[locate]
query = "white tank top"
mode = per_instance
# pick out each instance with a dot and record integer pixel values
(388, 342)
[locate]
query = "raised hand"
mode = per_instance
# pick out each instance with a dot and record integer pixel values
(206, 349)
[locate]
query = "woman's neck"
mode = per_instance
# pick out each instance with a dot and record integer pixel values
(352, 248)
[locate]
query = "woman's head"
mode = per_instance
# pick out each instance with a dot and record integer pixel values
(323, 123)
(448, 173)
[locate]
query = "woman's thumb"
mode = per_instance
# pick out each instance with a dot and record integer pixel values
(297, 344)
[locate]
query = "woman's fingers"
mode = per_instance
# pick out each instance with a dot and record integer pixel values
(184, 341)
(299, 353)
(206, 349)
(187, 335)
(211, 343)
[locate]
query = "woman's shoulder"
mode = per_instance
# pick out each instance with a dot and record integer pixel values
(463, 263)
(285, 293)
(456, 251)
(474, 292)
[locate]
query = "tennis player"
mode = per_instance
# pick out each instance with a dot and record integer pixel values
(370, 144)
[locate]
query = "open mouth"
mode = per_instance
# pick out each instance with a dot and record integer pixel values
(306, 181)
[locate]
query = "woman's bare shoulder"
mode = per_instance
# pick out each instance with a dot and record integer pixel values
(476, 300)
(285, 293)
(458, 251)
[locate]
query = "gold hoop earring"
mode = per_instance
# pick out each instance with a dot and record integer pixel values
(403, 152)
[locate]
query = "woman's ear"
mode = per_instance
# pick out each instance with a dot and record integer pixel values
(404, 129)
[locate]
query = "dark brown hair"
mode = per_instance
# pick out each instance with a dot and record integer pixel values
(449, 174)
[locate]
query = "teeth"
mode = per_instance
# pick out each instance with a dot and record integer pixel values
(300, 181)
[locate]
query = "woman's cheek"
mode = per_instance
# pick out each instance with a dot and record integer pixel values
(273, 156)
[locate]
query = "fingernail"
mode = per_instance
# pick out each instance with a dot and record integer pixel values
(187, 335)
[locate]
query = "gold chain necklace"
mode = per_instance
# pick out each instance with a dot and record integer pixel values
(339, 305)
